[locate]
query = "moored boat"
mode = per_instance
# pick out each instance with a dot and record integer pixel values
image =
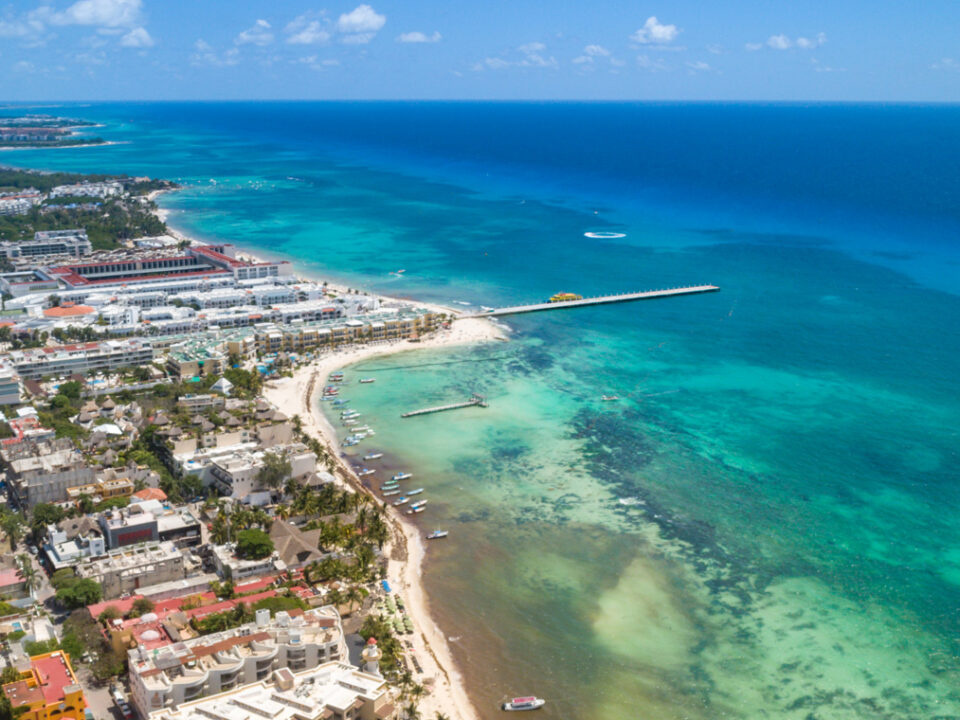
(402, 476)
(524, 703)
(388, 493)
(366, 471)
(364, 381)
(400, 501)
(373, 456)
(415, 492)
(437, 534)
(609, 398)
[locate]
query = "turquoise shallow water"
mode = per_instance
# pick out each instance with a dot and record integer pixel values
(764, 526)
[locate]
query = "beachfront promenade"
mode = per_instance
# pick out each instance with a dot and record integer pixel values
(600, 300)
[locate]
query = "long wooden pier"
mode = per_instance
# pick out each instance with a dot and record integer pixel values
(477, 400)
(601, 300)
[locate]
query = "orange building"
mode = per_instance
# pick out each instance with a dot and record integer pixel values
(48, 691)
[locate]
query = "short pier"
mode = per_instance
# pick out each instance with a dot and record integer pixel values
(477, 400)
(601, 300)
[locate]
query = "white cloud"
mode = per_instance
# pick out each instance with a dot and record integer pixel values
(596, 51)
(24, 66)
(646, 63)
(259, 34)
(419, 37)
(654, 32)
(946, 64)
(206, 55)
(496, 63)
(779, 42)
(784, 42)
(582, 60)
(137, 38)
(531, 48)
(104, 13)
(698, 66)
(810, 43)
(715, 49)
(308, 29)
(361, 20)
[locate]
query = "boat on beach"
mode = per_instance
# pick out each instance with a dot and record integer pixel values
(437, 534)
(523, 703)
(402, 476)
(373, 456)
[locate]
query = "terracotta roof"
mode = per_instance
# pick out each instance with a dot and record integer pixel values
(68, 311)
(150, 494)
(385, 711)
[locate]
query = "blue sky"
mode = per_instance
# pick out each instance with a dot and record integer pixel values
(486, 49)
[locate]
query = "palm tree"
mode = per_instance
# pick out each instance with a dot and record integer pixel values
(354, 595)
(335, 597)
(411, 712)
(282, 511)
(12, 525)
(28, 573)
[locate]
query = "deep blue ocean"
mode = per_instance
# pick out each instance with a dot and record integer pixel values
(765, 526)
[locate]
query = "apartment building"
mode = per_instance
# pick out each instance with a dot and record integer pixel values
(165, 677)
(41, 472)
(126, 569)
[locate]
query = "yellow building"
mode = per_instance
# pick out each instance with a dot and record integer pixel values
(48, 691)
(102, 490)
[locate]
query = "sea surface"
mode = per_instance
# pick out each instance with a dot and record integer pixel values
(765, 525)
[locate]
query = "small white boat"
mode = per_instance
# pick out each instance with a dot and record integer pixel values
(350, 421)
(402, 476)
(388, 493)
(373, 456)
(413, 510)
(609, 398)
(415, 492)
(437, 534)
(524, 703)
(366, 471)
(400, 501)
(364, 381)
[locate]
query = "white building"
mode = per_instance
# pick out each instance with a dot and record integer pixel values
(10, 387)
(48, 242)
(333, 690)
(88, 189)
(236, 475)
(233, 568)
(168, 676)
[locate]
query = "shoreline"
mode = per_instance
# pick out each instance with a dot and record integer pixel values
(406, 549)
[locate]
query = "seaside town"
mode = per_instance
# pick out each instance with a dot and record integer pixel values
(182, 536)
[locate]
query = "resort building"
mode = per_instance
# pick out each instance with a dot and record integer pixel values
(101, 489)
(166, 676)
(88, 189)
(110, 355)
(333, 690)
(48, 242)
(125, 569)
(10, 387)
(49, 690)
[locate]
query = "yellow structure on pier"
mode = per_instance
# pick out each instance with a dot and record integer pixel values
(565, 297)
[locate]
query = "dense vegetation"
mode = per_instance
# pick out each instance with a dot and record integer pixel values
(107, 225)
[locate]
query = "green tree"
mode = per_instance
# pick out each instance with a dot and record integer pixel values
(253, 544)
(29, 574)
(276, 468)
(9, 674)
(70, 389)
(82, 592)
(141, 606)
(109, 613)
